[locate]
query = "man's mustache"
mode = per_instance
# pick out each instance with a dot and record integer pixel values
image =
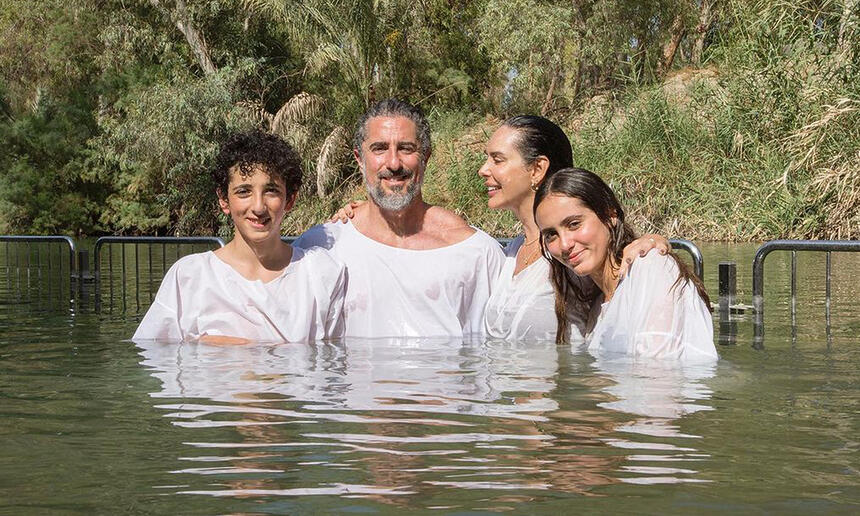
(400, 173)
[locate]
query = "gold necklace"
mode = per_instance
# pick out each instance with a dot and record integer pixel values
(527, 243)
(532, 256)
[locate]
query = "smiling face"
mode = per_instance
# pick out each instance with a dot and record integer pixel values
(573, 234)
(392, 162)
(506, 175)
(257, 204)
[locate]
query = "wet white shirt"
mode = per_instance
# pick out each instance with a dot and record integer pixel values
(647, 317)
(202, 295)
(394, 292)
(522, 306)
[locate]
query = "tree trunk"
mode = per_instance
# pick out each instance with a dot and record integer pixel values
(195, 40)
(671, 48)
(705, 21)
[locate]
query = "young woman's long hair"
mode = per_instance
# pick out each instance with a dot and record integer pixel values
(596, 195)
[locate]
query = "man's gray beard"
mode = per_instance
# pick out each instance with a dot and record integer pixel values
(393, 201)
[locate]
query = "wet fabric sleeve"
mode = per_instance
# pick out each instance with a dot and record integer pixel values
(162, 318)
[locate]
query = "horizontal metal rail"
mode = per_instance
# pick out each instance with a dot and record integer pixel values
(827, 246)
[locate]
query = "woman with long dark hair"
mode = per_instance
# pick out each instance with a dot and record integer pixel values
(659, 309)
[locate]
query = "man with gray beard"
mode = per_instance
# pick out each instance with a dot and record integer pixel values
(414, 270)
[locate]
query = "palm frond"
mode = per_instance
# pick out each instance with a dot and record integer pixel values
(331, 155)
(299, 107)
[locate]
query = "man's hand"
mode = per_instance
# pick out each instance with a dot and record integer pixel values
(640, 247)
(222, 340)
(347, 212)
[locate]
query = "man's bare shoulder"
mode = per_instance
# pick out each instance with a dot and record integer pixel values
(447, 225)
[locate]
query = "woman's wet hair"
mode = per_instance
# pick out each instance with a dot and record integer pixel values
(537, 137)
(597, 196)
(255, 150)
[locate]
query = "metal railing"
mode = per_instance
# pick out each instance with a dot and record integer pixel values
(694, 252)
(140, 262)
(30, 266)
(20, 265)
(152, 276)
(827, 246)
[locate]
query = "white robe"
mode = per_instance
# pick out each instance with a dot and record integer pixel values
(648, 317)
(202, 295)
(394, 292)
(523, 306)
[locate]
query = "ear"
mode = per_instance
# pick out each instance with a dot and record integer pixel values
(539, 168)
(222, 202)
(357, 156)
(291, 201)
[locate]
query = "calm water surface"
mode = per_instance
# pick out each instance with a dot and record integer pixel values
(93, 423)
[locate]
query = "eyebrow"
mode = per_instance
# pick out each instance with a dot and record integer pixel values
(496, 154)
(400, 144)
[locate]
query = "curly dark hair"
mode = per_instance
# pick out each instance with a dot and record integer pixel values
(254, 150)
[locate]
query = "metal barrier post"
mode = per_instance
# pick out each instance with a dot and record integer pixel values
(728, 294)
(728, 285)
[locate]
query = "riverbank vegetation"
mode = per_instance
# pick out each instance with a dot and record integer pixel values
(713, 119)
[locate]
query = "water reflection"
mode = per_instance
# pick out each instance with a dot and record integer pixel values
(659, 393)
(382, 419)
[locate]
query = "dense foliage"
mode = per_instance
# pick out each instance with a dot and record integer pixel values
(718, 119)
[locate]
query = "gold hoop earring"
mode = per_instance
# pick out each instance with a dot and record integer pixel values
(534, 187)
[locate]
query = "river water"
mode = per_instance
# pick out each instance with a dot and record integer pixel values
(93, 423)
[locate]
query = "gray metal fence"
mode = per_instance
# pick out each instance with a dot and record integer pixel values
(826, 246)
(39, 270)
(128, 270)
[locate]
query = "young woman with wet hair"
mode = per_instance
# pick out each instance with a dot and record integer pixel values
(256, 288)
(660, 309)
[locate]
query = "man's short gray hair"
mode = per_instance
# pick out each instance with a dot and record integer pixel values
(392, 108)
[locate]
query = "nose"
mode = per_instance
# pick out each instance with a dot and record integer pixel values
(565, 240)
(258, 205)
(484, 171)
(392, 159)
